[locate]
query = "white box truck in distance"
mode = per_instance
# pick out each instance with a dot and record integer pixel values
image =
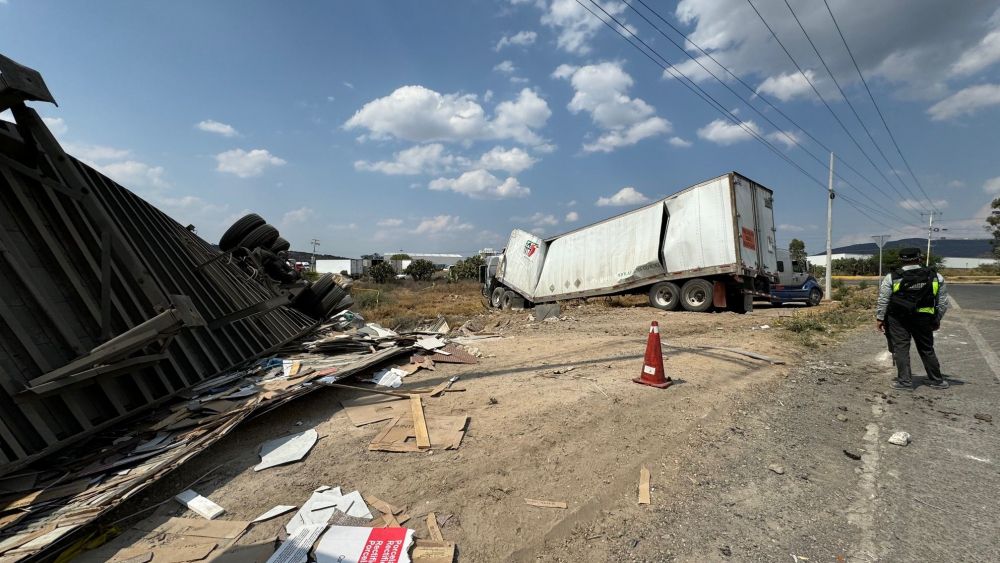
(710, 245)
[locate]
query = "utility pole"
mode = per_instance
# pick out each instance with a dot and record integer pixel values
(829, 233)
(314, 242)
(930, 233)
(880, 241)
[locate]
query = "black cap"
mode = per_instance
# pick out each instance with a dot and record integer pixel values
(909, 253)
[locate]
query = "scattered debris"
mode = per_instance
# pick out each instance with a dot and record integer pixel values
(348, 543)
(545, 311)
(983, 417)
(430, 343)
(286, 449)
(200, 505)
(368, 409)
(425, 551)
(391, 377)
(545, 503)
(900, 438)
(419, 424)
(445, 432)
(432, 527)
(726, 551)
(296, 548)
(853, 455)
(644, 485)
(780, 470)
(322, 505)
(841, 418)
(273, 513)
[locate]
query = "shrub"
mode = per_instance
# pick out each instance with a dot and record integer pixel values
(382, 272)
(420, 270)
(467, 269)
(863, 284)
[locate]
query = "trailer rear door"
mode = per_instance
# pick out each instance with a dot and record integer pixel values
(747, 233)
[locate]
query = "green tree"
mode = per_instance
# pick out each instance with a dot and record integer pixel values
(797, 249)
(890, 258)
(993, 227)
(467, 268)
(381, 272)
(420, 269)
(400, 257)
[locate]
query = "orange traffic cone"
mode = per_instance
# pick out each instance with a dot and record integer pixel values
(652, 367)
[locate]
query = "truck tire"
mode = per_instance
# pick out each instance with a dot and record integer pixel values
(261, 237)
(512, 301)
(240, 229)
(280, 245)
(696, 295)
(665, 295)
(815, 296)
(496, 298)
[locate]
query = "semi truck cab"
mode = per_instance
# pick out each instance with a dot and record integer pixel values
(795, 284)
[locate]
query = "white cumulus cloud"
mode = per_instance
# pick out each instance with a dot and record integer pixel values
(601, 90)
(416, 113)
(572, 216)
(134, 174)
(512, 161)
(788, 86)
(57, 125)
(575, 25)
(246, 164)
(441, 224)
(966, 102)
(520, 39)
(982, 55)
(625, 196)
(297, 216)
(389, 222)
(722, 132)
(506, 67)
(480, 184)
(679, 142)
(217, 127)
(920, 204)
(538, 219)
(421, 159)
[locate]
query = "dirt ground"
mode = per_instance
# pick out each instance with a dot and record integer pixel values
(578, 437)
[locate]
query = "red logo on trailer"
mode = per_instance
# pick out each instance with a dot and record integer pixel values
(749, 239)
(529, 248)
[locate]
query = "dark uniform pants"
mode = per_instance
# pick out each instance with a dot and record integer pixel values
(919, 327)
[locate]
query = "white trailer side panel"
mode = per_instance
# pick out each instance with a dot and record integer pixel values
(766, 229)
(521, 263)
(612, 254)
(699, 230)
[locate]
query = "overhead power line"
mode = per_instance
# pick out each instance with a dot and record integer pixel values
(822, 99)
(764, 98)
(705, 96)
(792, 140)
(877, 109)
(850, 105)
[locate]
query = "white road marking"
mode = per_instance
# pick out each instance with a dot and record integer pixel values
(861, 512)
(987, 352)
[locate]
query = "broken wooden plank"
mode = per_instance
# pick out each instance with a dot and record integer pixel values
(433, 551)
(432, 527)
(367, 390)
(419, 424)
(644, 485)
(545, 503)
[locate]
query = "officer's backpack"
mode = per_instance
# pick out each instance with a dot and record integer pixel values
(914, 291)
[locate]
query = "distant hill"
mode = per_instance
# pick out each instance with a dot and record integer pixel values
(952, 248)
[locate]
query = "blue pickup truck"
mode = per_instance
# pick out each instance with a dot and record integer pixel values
(795, 284)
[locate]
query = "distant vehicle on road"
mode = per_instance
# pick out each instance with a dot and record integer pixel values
(795, 284)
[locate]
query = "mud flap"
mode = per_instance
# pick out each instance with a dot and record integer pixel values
(719, 295)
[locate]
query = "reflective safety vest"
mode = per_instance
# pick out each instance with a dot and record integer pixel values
(915, 291)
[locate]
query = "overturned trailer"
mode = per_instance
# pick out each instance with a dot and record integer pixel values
(109, 307)
(712, 244)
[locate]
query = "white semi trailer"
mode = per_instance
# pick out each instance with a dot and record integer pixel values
(710, 245)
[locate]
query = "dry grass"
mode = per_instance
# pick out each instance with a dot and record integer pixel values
(856, 306)
(404, 304)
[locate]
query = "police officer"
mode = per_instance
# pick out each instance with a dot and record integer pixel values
(911, 303)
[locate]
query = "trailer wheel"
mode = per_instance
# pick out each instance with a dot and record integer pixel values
(512, 300)
(261, 237)
(665, 295)
(496, 298)
(280, 245)
(240, 229)
(696, 295)
(815, 296)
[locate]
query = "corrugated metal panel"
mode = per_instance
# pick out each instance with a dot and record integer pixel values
(624, 250)
(85, 260)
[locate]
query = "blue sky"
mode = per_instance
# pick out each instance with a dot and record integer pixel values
(439, 126)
